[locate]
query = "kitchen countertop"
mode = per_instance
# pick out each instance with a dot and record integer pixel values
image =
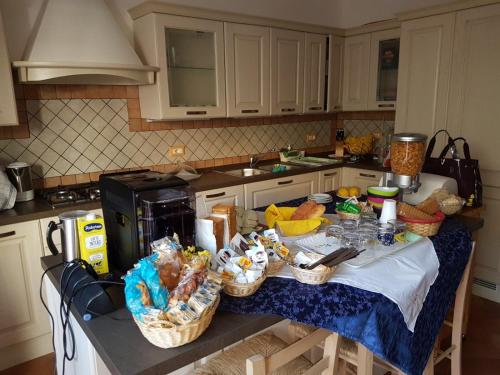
(124, 350)
(210, 179)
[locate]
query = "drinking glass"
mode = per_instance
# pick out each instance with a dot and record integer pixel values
(399, 225)
(349, 225)
(368, 238)
(351, 240)
(334, 234)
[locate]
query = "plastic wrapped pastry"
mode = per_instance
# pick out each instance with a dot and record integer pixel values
(157, 289)
(137, 296)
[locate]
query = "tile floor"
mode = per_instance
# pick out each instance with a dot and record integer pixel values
(481, 348)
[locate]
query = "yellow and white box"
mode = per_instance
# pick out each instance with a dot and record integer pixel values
(92, 236)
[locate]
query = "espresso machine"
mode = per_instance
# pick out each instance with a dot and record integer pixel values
(407, 159)
(141, 207)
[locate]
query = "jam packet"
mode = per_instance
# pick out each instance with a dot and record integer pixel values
(181, 314)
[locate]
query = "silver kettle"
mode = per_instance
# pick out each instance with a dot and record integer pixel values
(70, 243)
(19, 174)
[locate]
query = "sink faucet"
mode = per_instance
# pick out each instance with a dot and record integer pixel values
(253, 161)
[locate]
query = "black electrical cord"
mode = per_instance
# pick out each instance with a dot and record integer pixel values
(52, 321)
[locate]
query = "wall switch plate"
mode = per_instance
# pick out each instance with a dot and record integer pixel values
(310, 137)
(177, 150)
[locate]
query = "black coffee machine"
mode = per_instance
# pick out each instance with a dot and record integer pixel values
(141, 207)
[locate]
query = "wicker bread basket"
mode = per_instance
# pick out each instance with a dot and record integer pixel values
(319, 275)
(275, 267)
(243, 290)
(424, 227)
(165, 334)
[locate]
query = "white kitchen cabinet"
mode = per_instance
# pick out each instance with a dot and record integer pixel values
(263, 193)
(335, 66)
(22, 317)
(329, 180)
(383, 81)
(474, 112)
(205, 200)
(360, 177)
(8, 109)
(356, 72)
(247, 49)
(314, 73)
(424, 74)
(190, 54)
(287, 71)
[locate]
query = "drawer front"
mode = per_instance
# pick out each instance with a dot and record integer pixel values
(205, 200)
(329, 180)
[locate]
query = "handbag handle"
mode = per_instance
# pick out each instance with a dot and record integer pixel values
(432, 143)
(449, 145)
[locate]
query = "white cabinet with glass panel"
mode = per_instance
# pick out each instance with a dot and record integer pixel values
(190, 54)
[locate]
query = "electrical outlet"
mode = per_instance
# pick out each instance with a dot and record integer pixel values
(177, 150)
(310, 137)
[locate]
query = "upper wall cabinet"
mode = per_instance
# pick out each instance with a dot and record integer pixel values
(335, 64)
(314, 76)
(424, 74)
(356, 72)
(287, 71)
(371, 71)
(190, 54)
(247, 50)
(384, 61)
(8, 110)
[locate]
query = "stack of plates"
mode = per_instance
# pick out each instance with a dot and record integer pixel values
(320, 198)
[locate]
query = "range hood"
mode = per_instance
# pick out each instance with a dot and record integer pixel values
(80, 42)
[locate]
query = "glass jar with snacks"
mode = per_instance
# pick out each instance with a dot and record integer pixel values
(407, 153)
(386, 234)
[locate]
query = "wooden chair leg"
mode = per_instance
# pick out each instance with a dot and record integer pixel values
(365, 361)
(256, 365)
(429, 368)
(342, 367)
(332, 346)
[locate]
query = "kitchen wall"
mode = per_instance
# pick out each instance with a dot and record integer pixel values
(76, 132)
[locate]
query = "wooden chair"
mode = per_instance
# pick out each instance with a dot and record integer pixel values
(265, 354)
(357, 355)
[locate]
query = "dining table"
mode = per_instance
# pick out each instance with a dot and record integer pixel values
(364, 316)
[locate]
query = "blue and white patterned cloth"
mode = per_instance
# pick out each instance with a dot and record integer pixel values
(367, 317)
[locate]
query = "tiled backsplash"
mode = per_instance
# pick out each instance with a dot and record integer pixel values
(74, 136)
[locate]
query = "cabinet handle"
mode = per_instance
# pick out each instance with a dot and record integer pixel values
(8, 234)
(285, 182)
(216, 195)
(337, 107)
(330, 174)
(315, 108)
(386, 105)
(287, 109)
(367, 175)
(196, 112)
(249, 111)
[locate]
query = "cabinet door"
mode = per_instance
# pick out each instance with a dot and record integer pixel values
(8, 109)
(263, 193)
(287, 71)
(21, 313)
(356, 72)
(205, 200)
(384, 60)
(314, 76)
(190, 54)
(329, 180)
(335, 65)
(473, 114)
(424, 74)
(361, 178)
(247, 69)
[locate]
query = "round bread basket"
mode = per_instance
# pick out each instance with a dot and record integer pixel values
(424, 228)
(243, 290)
(318, 275)
(275, 267)
(165, 334)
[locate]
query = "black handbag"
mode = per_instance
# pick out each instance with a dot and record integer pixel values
(464, 170)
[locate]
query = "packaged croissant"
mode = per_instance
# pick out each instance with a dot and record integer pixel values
(151, 276)
(137, 295)
(169, 261)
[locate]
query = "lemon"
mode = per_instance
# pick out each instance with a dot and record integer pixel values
(343, 192)
(354, 191)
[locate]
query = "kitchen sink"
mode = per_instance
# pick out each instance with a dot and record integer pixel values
(283, 167)
(246, 172)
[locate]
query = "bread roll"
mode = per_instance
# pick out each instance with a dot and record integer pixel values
(308, 210)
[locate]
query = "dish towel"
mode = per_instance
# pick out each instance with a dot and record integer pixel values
(404, 277)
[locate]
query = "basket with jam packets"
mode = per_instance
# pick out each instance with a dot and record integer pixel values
(245, 266)
(172, 294)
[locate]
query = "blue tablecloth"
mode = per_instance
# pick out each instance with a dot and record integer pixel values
(367, 317)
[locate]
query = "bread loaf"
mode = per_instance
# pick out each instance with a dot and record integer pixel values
(308, 210)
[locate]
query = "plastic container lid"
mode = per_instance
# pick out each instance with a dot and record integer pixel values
(409, 137)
